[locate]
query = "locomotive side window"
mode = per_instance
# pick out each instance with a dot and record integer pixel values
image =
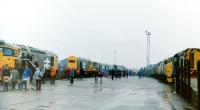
(8, 52)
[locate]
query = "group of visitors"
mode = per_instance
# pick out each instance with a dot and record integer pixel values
(114, 73)
(98, 74)
(23, 77)
(26, 77)
(71, 73)
(80, 74)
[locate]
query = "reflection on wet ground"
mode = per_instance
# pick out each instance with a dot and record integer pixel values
(168, 95)
(127, 94)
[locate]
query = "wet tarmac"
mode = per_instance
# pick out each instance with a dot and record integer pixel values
(124, 94)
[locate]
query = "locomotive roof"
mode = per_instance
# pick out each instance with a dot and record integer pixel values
(6, 44)
(26, 48)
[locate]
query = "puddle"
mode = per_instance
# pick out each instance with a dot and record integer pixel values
(164, 95)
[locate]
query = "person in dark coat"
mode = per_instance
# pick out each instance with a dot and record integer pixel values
(68, 71)
(96, 73)
(127, 74)
(124, 74)
(82, 73)
(113, 73)
(6, 76)
(71, 76)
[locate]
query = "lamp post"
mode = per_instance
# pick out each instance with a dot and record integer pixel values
(148, 46)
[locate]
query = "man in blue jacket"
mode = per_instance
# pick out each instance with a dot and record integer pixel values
(27, 73)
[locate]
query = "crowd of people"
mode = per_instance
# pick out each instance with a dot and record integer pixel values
(98, 74)
(70, 73)
(24, 78)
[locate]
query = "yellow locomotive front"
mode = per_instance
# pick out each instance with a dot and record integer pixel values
(193, 56)
(168, 70)
(8, 55)
(72, 62)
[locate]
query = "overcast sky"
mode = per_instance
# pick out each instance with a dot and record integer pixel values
(94, 29)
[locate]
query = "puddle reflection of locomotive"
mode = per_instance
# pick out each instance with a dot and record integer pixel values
(16, 55)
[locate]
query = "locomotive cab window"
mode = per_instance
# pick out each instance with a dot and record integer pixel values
(71, 61)
(8, 52)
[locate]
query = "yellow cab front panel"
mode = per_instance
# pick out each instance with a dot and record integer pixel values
(7, 56)
(72, 62)
(193, 56)
(168, 71)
